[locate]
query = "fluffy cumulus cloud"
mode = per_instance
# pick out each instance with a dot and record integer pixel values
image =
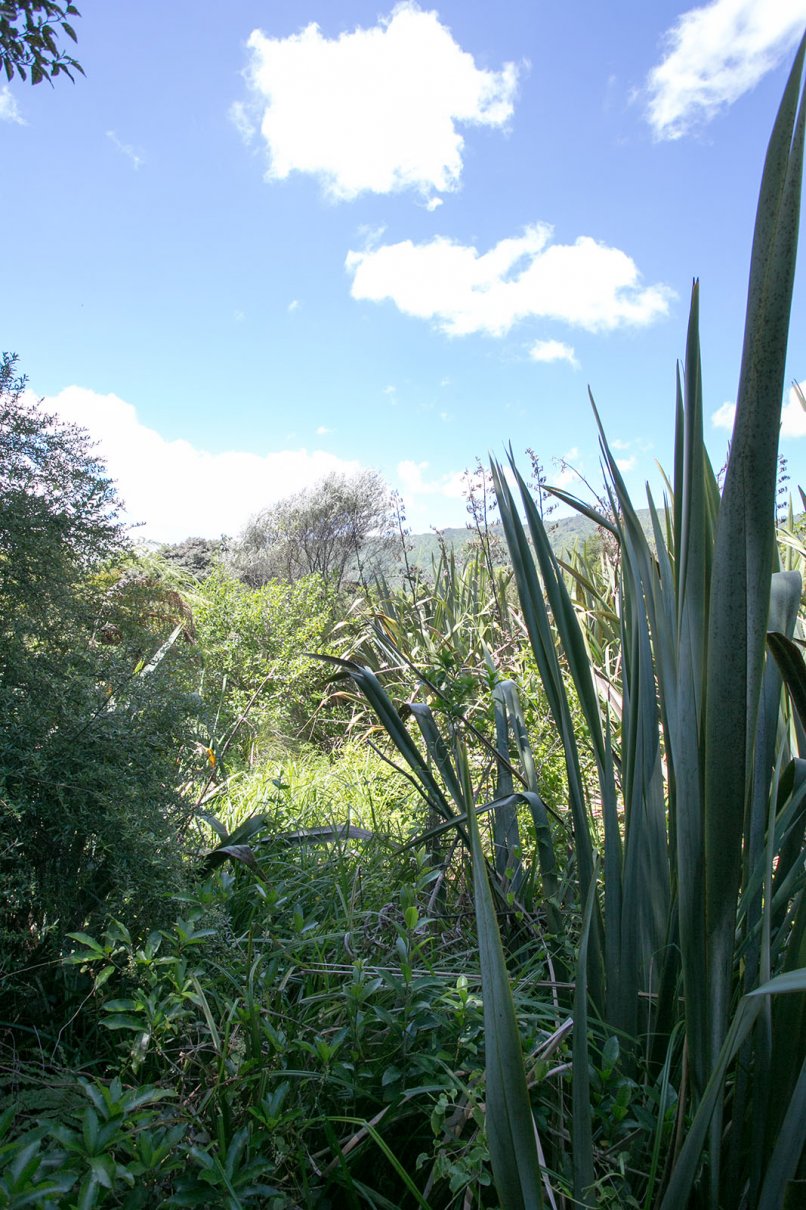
(553, 350)
(9, 109)
(373, 110)
(587, 283)
(716, 53)
(177, 490)
(793, 415)
(724, 416)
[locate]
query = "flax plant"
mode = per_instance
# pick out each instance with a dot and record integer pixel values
(688, 855)
(701, 899)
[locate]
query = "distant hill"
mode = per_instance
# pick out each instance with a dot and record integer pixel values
(564, 534)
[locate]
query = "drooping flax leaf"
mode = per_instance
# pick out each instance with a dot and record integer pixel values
(582, 1117)
(508, 694)
(792, 666)
(393, 724)
(541, 637)
(510, 1125)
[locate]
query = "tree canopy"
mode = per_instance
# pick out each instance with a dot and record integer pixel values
(28, 39)
(331, 529)
(88, 742)
(58, 507)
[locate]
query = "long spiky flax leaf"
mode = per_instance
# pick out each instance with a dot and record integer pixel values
(744, 546)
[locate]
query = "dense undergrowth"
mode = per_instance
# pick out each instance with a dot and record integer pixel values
(483, 890)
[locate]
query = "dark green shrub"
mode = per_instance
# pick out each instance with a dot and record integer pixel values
(90, 723)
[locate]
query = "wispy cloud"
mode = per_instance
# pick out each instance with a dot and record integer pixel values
(793, 415)
(553, 350)
(415, 482)
(716, 53)
(294, 305)
(176, 489)
(9, 109)
(135, 157)
(243, 121)
(375, 110)
(587, 283)
(322, 430)
(567, 470)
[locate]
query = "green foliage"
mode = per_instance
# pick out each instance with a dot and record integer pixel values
(559, 960)
(195, 556)
(327, 1000)
(260, 687)
(28, 39)
(90, 721)
(335, 529)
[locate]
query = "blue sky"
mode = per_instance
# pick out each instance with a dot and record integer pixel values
(266, 240)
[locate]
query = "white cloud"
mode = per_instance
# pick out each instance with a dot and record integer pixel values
(715, 54)
(723, 417)
(566, 473)
(414, 483)
(373, 110)
(9, 109)
(626, 464)
(433, 204)
(135, 158)
(553, 350)
(322, 430)
(294, 305)
(793, 415)
(586, 283)
(176, 489)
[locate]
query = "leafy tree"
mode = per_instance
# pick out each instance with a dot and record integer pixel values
(196, 556)
(28, 32)
(90, 723)
(59, 512)
(334, 529)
